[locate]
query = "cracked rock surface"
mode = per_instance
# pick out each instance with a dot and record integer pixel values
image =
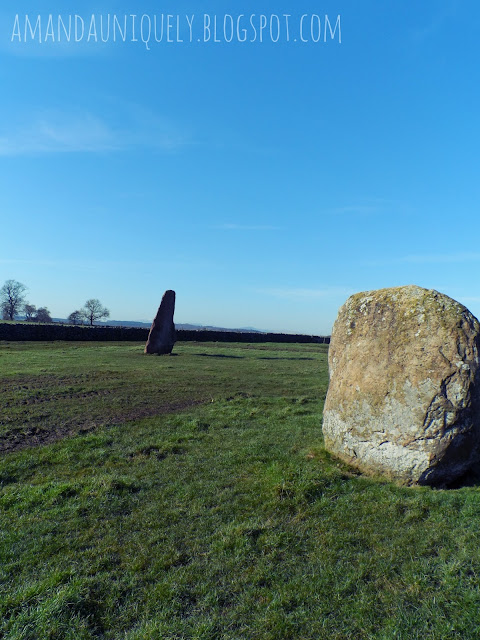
(404, 393)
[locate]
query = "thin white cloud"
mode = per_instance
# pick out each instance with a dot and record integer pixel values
(58, 36)
(442, 258)
(439, 258)
(247, 227)
(62, 131)
(469, 299)
(438, 21)
(370, 206)
(95, 265)
(359, 209)
(50, 133)
(306, 294)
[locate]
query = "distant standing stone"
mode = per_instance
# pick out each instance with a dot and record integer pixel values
(162, 332)
(404, 393)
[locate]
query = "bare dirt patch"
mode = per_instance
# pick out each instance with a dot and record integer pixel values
(16, 440)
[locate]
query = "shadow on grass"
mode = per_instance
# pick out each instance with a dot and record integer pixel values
(282, 358)
(470, 478)
(158, 355)
(218, 355)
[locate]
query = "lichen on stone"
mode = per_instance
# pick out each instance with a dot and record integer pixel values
(405, 376)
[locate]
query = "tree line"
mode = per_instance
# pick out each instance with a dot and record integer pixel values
(14, 303)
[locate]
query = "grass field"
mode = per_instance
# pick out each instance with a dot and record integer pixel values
(190, 497)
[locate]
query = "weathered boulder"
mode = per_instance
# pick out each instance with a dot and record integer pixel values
(162, 332)
(404, 393)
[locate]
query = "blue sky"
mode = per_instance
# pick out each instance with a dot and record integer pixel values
(264, 182)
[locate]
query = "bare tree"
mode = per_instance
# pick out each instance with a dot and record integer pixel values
(12, 298)
(30, 311)
(93, 311)
(43, 315)
(76, 317)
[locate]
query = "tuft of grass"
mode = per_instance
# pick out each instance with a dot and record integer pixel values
(226, 519)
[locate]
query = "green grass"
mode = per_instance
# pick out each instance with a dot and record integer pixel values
(63, 388)
(225, 519)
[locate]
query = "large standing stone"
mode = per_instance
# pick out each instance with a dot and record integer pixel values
(162, 332)
(404, 393)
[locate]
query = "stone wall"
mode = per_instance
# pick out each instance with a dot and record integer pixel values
(13, 331)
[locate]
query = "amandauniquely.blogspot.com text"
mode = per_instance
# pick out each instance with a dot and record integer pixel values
(150, 31)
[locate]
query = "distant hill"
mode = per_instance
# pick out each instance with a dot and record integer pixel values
(193, 327)
(147, 325)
